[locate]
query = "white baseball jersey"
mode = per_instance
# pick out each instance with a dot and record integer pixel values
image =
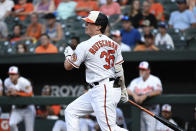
(100, 53)
(161, 127)
(1, 85)
(140, 87)
(22, 85)
(19, 114)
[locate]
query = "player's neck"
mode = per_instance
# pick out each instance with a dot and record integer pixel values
(95, 33)
(146, 77)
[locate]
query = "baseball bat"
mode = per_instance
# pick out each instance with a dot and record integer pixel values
(162, 120)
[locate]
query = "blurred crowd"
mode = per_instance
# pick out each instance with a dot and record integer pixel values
(46, 26)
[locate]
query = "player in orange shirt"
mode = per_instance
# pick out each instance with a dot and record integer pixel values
(157, 10)
(46, 46)
(22, 9)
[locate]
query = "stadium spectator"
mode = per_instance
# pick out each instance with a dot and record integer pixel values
(143, 87)
(21, 48)
(44, 7)
(66, 9)
(47, 111)
(145, 29)
(46, 46)
(16, 85)
(148, 45)
(17, 34)
(110, 8)
(167, 114)
(52, 28)
(23, 9)
(57, 2)
(182, 18)
(34, 29)
(85, 6)
(157, 10)
(191, 5)
(145, 15)
(163, 38)
(3, 31)
(5, 8)
(117, 38)
(192, 124)
(74, 42)
(135, 9)
(129, 34)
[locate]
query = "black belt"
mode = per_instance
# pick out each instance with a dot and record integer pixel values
(21, 106)
(97, 83)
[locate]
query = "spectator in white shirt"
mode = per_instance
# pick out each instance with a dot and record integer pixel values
(116, 36)
(163, 38)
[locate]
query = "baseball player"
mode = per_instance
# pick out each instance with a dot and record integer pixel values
(165, 113)
(120, 120)
(16, 85)
(146, 85)
(103, 60)
(86, 124)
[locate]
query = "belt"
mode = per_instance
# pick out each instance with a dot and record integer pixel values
(97, 83)
(21, 106)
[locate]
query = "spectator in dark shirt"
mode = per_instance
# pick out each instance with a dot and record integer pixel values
(129, 34)
(135, 9)
(145, 15)
(17, 34)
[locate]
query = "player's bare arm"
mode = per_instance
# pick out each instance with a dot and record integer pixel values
(67, 65)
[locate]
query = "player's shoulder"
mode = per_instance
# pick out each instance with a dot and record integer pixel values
(136, 80)
(23, 79)
(153, 77)
(7, 81)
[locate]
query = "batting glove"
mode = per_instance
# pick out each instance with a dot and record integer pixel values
(124, 95)
(68, 52)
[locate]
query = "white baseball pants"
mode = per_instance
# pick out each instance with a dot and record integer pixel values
(101, 99)
(148, 123)
(59, 125)
(27, 114)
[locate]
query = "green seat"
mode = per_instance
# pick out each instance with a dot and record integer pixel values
(192, 44)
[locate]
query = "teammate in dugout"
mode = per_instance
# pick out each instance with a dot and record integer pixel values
(103, 60)
(142, 87)
(16, 85)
